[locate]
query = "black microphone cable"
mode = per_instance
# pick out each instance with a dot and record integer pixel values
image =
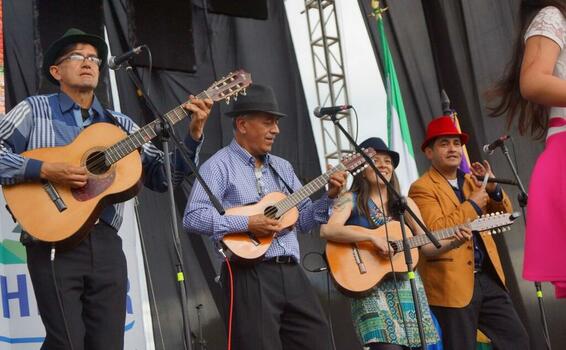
(59, 298)
(357, 123)
(390, 257)
(321, 269)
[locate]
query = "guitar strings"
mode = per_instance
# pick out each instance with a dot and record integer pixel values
(99, 161)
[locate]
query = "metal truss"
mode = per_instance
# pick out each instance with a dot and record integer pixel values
(330, 77)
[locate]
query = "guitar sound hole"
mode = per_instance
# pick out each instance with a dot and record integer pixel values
(270, 212)
(96, 163)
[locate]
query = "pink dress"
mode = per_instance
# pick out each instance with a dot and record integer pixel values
(545, 241)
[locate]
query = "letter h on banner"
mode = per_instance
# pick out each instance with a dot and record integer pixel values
(21, 295)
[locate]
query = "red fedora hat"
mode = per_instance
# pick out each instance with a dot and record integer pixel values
(442, 126)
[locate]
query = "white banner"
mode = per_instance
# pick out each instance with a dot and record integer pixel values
(20, 324)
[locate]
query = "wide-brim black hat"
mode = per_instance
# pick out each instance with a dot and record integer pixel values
(258, 98)
(379, 146)
(72, 36)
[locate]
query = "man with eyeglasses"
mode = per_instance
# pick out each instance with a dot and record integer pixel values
(92, 276)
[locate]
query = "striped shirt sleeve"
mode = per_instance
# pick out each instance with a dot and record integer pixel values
(15, 129)
(200, 215)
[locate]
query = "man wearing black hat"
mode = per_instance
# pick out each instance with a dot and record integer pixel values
(87, 304)
(274, 304)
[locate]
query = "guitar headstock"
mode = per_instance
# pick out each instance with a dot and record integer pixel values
(494, 223)
(230, 86)
(355, 163)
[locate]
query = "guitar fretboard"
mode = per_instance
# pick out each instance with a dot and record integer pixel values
(145, 134)
(291, 201)
(420, 240)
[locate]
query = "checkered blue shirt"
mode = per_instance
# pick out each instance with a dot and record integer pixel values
(55, 120)
(231, 177)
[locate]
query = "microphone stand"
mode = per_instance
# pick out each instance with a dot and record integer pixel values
(401, 207)
(522, 197)
(167, 133)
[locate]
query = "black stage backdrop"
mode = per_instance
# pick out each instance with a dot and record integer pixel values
(463, 47)
(222, 44)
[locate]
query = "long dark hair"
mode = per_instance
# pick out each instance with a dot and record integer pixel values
(532, 117)
(362, 187)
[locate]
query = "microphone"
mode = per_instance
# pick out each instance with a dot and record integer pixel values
(115, 62)
(445, 103)
(490, 148)
(499, 181)
(320, 112)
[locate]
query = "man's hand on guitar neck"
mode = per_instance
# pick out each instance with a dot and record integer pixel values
(200, 110)
(64, 174)
(336, 183)
(261, 225)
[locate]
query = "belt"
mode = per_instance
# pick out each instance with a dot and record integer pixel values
(282, 259)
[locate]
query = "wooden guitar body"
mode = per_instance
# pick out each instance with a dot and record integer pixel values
(357, 267)
(36, 211)
(247, 246)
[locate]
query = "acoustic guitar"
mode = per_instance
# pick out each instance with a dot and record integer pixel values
(54, 213)
(357, 267)
(246, 246)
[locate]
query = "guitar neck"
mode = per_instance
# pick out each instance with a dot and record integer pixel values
(145, 134)
(420, 240)
(306, 191)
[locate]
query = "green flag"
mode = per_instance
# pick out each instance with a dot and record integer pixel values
(399, 137)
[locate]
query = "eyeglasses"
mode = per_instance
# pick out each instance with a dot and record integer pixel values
(77, 57)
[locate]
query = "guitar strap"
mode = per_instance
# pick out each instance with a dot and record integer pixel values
(281, 178)
(115, 120)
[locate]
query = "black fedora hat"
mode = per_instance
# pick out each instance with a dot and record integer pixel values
(379, 146)
(72, 36)
(259, 98)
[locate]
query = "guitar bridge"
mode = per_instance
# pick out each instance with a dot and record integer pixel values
(253, 239)
(54, 196)
(358, 259)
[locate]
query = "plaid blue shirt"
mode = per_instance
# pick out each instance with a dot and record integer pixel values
(55, 120)
(230, 173)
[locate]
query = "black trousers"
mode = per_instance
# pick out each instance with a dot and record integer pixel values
(92, 280)
(491, 311)
(275, 308)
